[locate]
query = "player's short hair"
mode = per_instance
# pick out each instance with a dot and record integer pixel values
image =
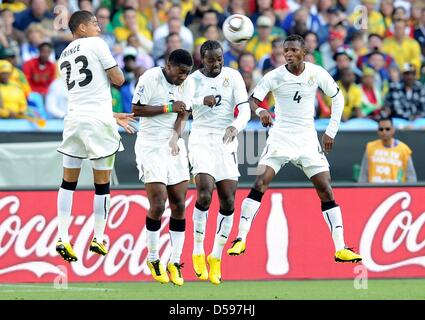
(180, 57)
(210, 45)
(295, 37)
(79, 17)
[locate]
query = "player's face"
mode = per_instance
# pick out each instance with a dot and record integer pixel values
(294, 52)
(213, 62)
(177, 74)
(92, 28)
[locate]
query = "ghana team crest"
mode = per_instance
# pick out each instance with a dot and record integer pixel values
(226, 82)
(310, 81)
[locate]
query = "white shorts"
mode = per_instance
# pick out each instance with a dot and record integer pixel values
(208, 154)
(156, 163)
(98, 164)
(301, 149)
(90, 138)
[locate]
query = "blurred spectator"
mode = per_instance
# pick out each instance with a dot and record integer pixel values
(235, 7)
(386, 8)
(129, 60)
(57, 99)
(352, 94)
(10, 37)
(14, 6)
(407, 50)
(400, 13)
(118, 14)
(173, 42)
(173, 25)
(416, 13)
(301, 21)
(387, 159)
(344, 58)
(247, 62)
(40, 72)
(13, 103)
(260, 45)
(194, 16)
(275, 59)
(375, 45)
(371, 102)
(103, 16)
(130, 26)
(328, 49)
(142, 58)
(277, 31)
(85, 5)
(37, 12)
(17, 77)
(358, 44)
(36, 36)
(406, 98)
(382, 77)
(260, 9)
(311, 44)
(420, 34)
(231, 56)
(209, 18)
(127, 90)
(375, 20)
(212, 33)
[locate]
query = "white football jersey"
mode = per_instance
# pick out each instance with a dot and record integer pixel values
(295, 95)
(82, 66)
(153, 89)
(229, 91)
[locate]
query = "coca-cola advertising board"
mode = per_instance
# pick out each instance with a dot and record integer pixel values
(289, 238)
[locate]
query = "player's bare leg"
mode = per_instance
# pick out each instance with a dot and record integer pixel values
(101, 205)
(177, 198)
(157, 195)
(204, 186)
(333, 217)
(250, 207)
(226, 190)
(64, 207)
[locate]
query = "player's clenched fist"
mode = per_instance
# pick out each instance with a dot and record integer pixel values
(266, 118)
(209, 101)
(179, 107)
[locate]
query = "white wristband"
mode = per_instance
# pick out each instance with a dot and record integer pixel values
(258, 110)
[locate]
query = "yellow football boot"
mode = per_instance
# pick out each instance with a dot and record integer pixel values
(215, 270)
(347, 255)
(200, 266)
(158, 271)
(66, 251)
(176, 277)
(97, 247)
(238, 247)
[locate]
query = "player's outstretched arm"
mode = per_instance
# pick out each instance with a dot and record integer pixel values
(144, 110)
(116, 76)
(265, 117)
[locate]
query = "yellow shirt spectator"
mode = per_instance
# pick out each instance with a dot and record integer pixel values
(17, 77)
(352, 99)
(375, 22)
(408, 51)
(259, 48)
(12, 97)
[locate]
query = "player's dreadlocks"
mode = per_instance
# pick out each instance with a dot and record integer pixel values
(208, 46)
(180, 57)
(79, 17)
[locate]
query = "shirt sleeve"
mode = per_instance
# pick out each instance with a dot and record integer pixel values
(189, 94)
(143, 91)
(104, 54)
(263, 87)
(327, 83)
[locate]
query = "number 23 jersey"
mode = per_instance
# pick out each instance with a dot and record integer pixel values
(83, 65)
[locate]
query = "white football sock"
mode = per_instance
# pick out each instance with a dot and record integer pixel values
(64, 206)
(199, 225)
(224, 226)
(101, 204)
(177, 242)
(333, 218)
(249, 209)
(152, 242)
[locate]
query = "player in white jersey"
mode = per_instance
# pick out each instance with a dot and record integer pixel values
(90, 127)
(160, 99)
(293, 138)
(213, 151)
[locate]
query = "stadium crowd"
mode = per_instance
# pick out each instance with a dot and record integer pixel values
(374, 49)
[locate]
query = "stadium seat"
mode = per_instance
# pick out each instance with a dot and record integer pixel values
(321, 124)
(359, 124)
(400, 123)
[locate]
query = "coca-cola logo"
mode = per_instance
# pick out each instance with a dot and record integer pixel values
(403, 229)
(128, 250)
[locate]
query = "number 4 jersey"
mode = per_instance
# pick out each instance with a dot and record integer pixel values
(82, 65)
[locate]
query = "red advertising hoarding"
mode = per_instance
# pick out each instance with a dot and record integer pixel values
(289, 238)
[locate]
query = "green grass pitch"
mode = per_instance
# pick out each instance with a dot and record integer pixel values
(400, 289)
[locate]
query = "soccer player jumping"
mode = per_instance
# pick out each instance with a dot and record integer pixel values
(293, 138)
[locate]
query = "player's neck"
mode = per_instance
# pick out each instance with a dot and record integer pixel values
(208, 75)
(166, 76)
(296, 69)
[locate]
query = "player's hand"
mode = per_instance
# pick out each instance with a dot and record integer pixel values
(209, 101)
(266, 118)
(173, 144)
(179, 107)
(230, 134)
(327, 143)
(127, 121)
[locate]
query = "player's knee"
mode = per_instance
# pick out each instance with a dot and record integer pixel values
(178, 209)
(260, 184)
(227, 203)
(204, 198)
(325, 192)
(157, 207)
